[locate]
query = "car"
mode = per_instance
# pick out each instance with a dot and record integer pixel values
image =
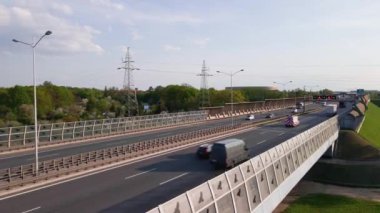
(204, 150)
(270, 115)
(324, 103)
(295, 110)
(250, 117)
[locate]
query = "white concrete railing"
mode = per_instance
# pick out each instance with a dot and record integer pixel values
(261, 183)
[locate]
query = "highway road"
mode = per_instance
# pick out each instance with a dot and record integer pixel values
(18, 159)
(143, 185)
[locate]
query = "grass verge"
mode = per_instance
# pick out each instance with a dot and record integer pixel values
(332, 203)
(370, 128)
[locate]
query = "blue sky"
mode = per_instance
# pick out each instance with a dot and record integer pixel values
(330, 43)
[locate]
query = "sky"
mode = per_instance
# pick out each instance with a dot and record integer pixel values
(334, 44)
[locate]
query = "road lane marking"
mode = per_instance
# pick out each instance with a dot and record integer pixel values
(282, 133)
(132, 176)
(174, 178)
(30, 210)
(51, 155)
(261, 141)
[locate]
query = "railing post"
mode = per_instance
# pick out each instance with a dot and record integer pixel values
(84, 129)
(75, 123)
(24, 140)
(10, 137)
(93, 128)
(51, 132)
(63, 131)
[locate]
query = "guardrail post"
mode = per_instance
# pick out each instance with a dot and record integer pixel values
(93, 128)
(84, 128)
(75, 123)
(63, 131)
(101, 130)
(9, 137)
(51, 132)
(24, 140)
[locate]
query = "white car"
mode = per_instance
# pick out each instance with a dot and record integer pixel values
(295, 110)
(250, 117)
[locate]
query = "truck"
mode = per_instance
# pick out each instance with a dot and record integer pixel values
(292, 121)
(331, 109)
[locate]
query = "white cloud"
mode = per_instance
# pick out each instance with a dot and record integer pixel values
(67, 37)
(171, 48)
(6, 53)
(136, 35)
(201, 42)
(4, 16)
(63, 8)
(108, 4)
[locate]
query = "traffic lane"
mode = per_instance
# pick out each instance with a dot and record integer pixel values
(120, 141)
(160, 195)
(102, 190)
(128, 187)
(22, 159)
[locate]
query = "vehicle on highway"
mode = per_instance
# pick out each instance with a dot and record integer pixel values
(228, 153)
(295, 110)
(250, 117)
(342, 104)
(331, 109)
(292, 121)
(324, 103)
(204, 150)
(270, 115)
(300, 105)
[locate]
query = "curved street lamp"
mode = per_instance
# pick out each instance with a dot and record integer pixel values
(231, 74)
(33, 45)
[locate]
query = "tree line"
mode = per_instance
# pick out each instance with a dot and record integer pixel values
(59, 103)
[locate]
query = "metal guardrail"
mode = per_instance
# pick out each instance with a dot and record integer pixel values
(259, 184)
(24, 174)
(67, 131)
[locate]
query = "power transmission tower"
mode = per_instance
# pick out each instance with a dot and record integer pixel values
(128, 86)
(205, 94)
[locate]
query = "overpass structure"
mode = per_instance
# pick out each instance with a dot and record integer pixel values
(261, 183)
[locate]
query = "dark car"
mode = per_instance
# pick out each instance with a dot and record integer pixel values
(270, 115)
(204, 150)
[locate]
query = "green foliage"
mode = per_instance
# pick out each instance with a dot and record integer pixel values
(19, 95)
(59, 103)
(370, 128)
(332, 203)
(180, 98)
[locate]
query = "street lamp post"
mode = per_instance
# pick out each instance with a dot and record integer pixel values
(284, 88)
(33, 45)
(231, 74)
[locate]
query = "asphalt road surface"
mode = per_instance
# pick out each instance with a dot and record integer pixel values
(143, 185)
(18, 159)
